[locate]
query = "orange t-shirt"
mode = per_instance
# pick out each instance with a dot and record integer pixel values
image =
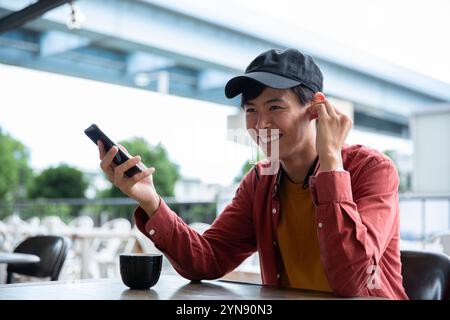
(298, 242)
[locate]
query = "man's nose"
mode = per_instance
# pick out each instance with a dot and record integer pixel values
(264, 122)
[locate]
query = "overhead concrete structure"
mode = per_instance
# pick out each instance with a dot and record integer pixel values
(186, 50)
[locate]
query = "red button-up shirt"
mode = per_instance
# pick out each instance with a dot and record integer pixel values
(357, 219)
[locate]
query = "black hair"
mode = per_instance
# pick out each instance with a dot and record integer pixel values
(252, 89)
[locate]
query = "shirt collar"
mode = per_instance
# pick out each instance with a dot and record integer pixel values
(276, 182)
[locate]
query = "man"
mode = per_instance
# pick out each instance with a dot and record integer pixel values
(322, 215)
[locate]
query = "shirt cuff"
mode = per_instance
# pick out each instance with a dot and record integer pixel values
(159, 227)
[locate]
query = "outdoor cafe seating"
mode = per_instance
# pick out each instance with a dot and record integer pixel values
(52, 252)
(93, 251)
(82, 250)
(426, 275)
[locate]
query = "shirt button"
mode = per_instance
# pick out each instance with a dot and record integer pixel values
(274, 210)
(151, 232)
(274, 243)
(320, 225)
(278, 276)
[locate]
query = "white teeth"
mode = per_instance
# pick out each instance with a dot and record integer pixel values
(270, 139)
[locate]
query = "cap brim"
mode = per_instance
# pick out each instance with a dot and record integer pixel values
(236, 85)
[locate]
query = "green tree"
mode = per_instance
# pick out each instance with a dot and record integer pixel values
(166, 174)
(15, 172)
(62, 181)
(247, 166)
(200, 213)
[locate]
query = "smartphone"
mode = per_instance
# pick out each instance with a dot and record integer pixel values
(95, 134)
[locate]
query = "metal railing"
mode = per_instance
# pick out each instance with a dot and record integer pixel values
(100, 209)
(423, 199)
(103, 209)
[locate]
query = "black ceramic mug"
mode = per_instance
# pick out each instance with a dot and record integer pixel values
(140, 270)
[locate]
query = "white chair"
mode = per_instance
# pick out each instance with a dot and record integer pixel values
(17, 229)
(443, 240)
(13, 219)
(34, 222)
(105, 251)
(5, 244)
(73, 265)
(82, 222)
(53, 225)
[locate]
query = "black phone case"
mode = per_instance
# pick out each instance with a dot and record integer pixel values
(95, 134)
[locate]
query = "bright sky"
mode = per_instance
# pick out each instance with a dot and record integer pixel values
(49, 112)
(50, 115)
(410, 33)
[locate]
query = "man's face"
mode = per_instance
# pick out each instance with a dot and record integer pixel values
(279, 109)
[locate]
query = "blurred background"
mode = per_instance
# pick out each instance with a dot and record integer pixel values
(151, 75)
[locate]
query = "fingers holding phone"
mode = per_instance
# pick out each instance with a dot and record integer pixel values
(139, 186)
(101, 149)
(126, 172)
(106, 162)
(119, 171)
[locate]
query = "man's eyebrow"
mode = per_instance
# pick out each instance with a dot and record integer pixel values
(272, 100)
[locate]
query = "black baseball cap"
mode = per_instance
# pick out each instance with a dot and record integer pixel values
(279, 69)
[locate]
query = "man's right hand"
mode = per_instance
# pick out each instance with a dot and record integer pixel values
(139, 187)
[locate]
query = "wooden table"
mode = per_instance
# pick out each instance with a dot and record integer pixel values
(12, 257)
(169, 287)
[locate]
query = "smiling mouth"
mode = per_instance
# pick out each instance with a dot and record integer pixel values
(270, 139)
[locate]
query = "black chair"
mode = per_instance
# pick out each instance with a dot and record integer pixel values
(426, 275)
(51, 249)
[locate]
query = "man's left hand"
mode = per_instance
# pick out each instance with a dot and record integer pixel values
(332, 129)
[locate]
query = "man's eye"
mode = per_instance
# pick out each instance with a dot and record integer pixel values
(275, 107)
(248, 110)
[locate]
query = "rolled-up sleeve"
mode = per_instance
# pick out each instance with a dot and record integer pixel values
(356, 217)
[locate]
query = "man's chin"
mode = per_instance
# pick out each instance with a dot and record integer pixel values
(273, 156)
